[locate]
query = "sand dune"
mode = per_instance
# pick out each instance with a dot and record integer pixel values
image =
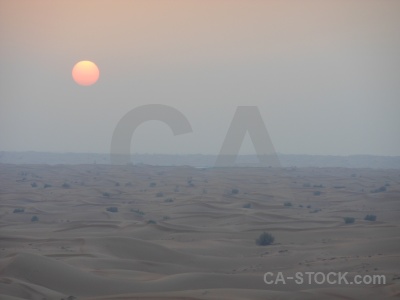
(141, 232)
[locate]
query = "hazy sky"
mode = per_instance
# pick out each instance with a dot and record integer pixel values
(324, 74)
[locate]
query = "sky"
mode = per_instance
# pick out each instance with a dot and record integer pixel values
(324, 74)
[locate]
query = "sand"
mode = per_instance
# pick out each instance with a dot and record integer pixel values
(189, 233)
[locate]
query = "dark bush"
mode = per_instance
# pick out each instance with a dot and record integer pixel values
(160, 194)
(190, 183)
(235, 191)
(247, 205)
(370, 218)
(379, 190)
(33, 184)
(45, 186)
(34, 219)
(107, 195)
(287, 204)
(18, 210)
(112, 209)
(168, 200)
(66, 185)
(152, 184)
(317, 193)
(139, 212)
(265, 239)
(349, 220)
(151, 222)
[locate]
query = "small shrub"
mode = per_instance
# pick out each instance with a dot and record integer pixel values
(152, 184)
(168, 200)
(117, 184)
(160, 194)
(137, 211)
(190, 183)
(349, 220)
(151, 222)
(18, 210)
(235, 191)
(176, 189)
(112, 209)
(287, 204)
(128, 184)
(265, 239)
(308, 206)
(34, 219)
(165, 218)
(45, 186)
(65, 185)
(300, 205)
(107, 195)
(247, 205)
(370, 218)
(306, 185)
(318, 186)
(34, 184)
(317, 193)
(379, 190)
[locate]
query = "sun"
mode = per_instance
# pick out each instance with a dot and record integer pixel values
(85, 73)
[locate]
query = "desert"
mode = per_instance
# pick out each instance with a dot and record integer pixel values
(154, 232)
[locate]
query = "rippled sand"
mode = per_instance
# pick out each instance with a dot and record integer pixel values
(184, 233)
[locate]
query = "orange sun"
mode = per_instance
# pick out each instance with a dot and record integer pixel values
(85, 72)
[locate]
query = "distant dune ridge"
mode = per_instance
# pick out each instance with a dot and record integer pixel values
(190, 233)
(199, 160)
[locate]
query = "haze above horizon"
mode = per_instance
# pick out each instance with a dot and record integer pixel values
(324, 74)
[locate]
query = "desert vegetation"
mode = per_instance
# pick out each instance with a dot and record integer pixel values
(66, 185)
(113, 209)
(379, 190)
(138, 212)
(349, 220)
(265, 239)
(370, 218)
